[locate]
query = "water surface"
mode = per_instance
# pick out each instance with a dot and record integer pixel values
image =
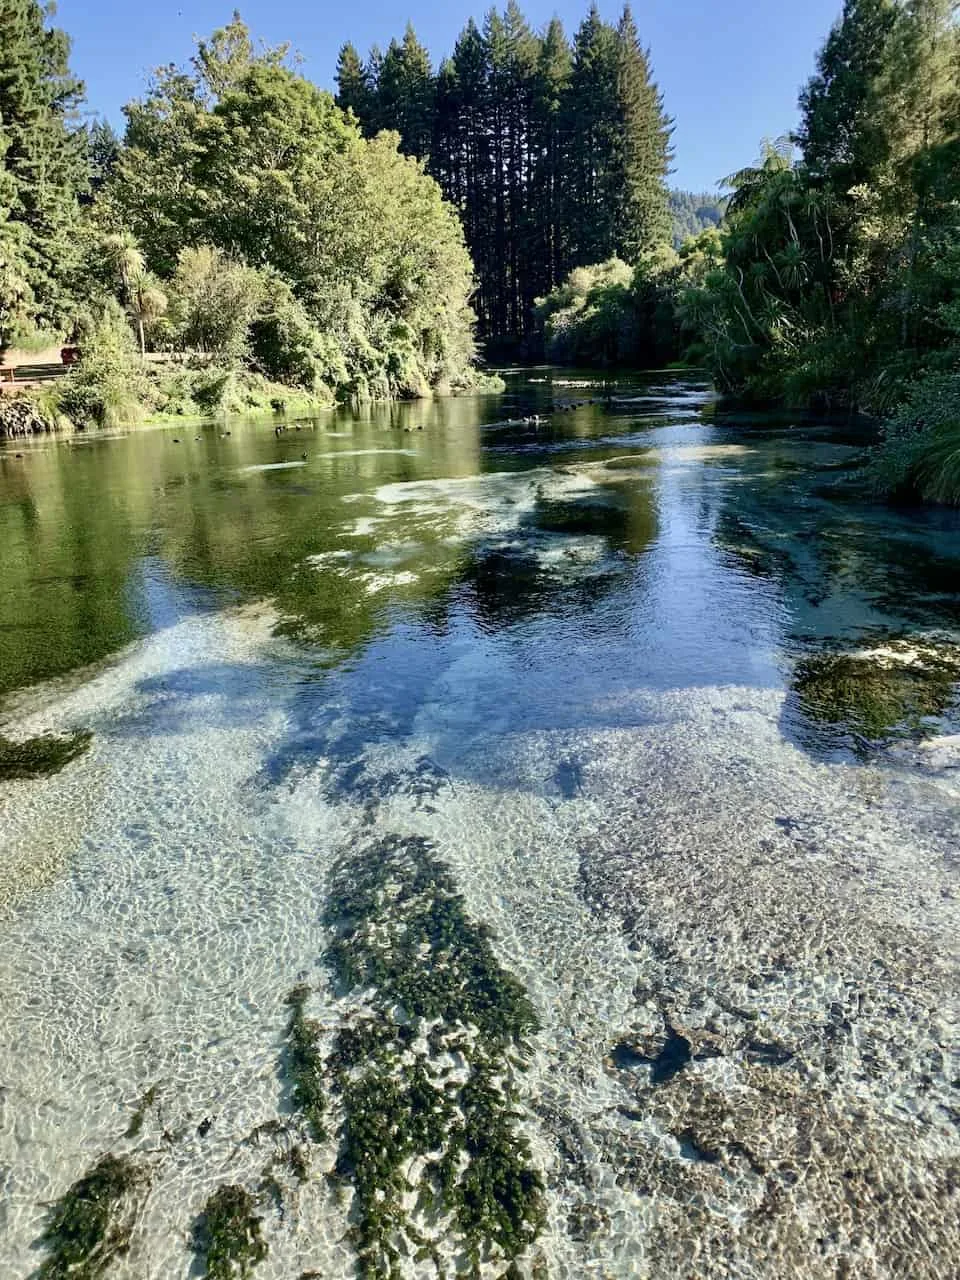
(554, 634)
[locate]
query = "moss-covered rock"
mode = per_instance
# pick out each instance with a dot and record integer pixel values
(425, 1071)
(893, 691)
(92, 1223)
(228, 1236)
(40, 757)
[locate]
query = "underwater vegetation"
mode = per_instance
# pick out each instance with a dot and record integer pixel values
(305, 1063)
(424, 1071)
(140, 1113)
(93, 1221)
(40, 757)
(228, 1234)
(892, 691)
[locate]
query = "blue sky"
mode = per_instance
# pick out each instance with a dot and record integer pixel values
(730, 71)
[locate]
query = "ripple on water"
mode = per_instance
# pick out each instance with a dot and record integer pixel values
(742, 958)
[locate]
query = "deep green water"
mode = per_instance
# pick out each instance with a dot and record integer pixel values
(362, 691)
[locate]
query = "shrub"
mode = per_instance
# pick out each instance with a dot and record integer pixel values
(920, 451)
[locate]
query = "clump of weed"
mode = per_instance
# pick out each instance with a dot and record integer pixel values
(139, 1115)
(305, 1062)
(228, 1235)
(92, 1223)
(40, 757)
(894, 691)
(424, 1072)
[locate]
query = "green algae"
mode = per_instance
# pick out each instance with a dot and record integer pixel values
(40, 757)
(894, 691)
(140, 1113)
(424, 1072)
(228, 1235)
(91, 1225)
(305, 1063)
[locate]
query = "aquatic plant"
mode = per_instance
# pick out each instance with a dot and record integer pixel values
(305, 1062)
(40, 757)
(893, 691)
(139, 1115)
(228, 1235)
(424, 1072)
(92, 1223)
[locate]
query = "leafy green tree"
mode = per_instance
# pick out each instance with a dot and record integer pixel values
(43, 170)
(253, 168)
(213, 303)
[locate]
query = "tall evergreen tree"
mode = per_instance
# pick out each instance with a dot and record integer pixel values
(592, 126)
(43, 169)
(404, 90)
(841, 131)
(638, 181)
(471, 69)
(549, 157)
(354, 90)
(554, 157)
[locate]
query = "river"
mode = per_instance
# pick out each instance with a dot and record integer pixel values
(511, 735)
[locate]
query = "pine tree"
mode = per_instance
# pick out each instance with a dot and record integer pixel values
(592, 127)
(43, 169)
(522, 52)
(405, 93)
(471, 68)
(354, 90)
(549, 157)
(637, 181)
(841, 133)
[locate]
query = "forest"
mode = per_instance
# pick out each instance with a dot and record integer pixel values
(292, 247)
(555, 154)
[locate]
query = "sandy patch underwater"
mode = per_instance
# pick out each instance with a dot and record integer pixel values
(742, 960)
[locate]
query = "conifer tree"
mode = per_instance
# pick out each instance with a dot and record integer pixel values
(354, 91)
(841, 132)
(638, 179)
(404, 89)
(592, 127)
(549, 157)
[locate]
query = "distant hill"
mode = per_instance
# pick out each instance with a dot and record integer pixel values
(693, 212)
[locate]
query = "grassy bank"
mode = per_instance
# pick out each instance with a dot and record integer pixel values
(150, 393)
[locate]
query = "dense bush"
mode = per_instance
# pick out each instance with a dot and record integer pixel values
(920, 452)
(617, 315)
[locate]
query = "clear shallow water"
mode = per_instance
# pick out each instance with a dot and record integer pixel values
(562, 652)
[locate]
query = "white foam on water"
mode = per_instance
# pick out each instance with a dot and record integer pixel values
(272, 466)
(363, 453)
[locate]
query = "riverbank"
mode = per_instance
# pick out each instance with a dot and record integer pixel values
(165, 395)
